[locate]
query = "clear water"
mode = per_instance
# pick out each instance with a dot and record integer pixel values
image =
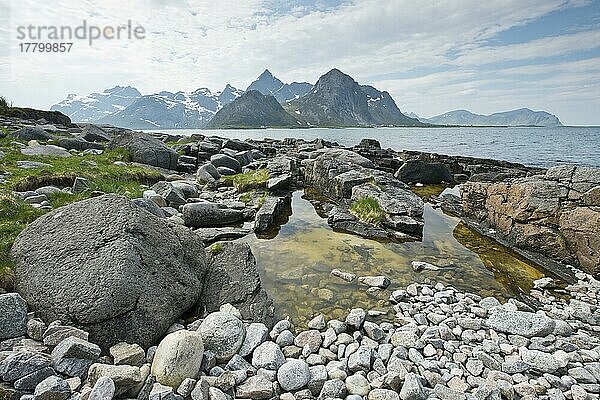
(541, 147)
(295, 265)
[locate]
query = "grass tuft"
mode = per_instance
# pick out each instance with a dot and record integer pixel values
(249, 180)
(216, 248)
(367, 210)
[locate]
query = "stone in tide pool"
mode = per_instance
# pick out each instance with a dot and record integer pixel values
(178, 356)
(13, 316)
(223, 334)
(520, 323)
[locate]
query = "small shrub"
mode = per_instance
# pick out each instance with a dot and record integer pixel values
(216, 248)
(367, 210)
(4, 106)
(249, 180)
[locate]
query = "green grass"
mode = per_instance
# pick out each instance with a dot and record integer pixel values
(262, 199)
(367, 210)
(100, 171)
(249, 180)
(216, 248)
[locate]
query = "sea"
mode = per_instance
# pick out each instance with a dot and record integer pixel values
(532, 146)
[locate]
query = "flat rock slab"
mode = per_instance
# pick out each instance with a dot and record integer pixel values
(520, 323)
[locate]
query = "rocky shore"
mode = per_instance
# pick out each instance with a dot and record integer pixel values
(144, 296)
(444, 344)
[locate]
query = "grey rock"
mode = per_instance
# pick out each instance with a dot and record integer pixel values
(233, 278)
(375, 281)
(207, 173)
(48, 150)
(520, 322)
(256, 333)
(73, 356)
(29, 382)
(256, 387)
(373, 330)
(104, 389)
(119, 259)
(293, 375)
(422, 172)
(383, 394)
(161, 392)
(268, 355)
(357, 384)
(222, 160)
(13, 316)
(145, 149)
(57, 332)
(412, 389)
(333, 389)
(267, 213)
(311, 338)
(30, 133)
(206, 214)
(125, 377)
(128, 354)
(178, 356)
(20, 364)
(355, 318)
(222, 334)
(52, 388)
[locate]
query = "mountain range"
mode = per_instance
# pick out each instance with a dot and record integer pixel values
(336, 99)
(267, 84)
(519, 117)
(95, 106)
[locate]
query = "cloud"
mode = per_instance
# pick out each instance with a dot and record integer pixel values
(202, 43)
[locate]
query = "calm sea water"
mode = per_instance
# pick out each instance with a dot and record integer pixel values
(541, 147)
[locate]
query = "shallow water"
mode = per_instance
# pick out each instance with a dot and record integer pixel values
(295, 265)
(541, 147)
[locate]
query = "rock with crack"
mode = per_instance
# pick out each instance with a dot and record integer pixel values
(130, 274)
(233, 278)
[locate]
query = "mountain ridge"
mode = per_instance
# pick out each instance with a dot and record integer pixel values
(253, 110)
(517, 117)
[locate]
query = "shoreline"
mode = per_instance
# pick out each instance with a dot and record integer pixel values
(126, 270)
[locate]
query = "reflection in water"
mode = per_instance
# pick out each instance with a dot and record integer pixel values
(295, 265)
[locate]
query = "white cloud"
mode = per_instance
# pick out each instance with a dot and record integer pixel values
(206, 43)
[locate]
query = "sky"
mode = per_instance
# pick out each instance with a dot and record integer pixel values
(432, 56)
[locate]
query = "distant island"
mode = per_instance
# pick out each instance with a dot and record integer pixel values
(335, 100)
(519, 117)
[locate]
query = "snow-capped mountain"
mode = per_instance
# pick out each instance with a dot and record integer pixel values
(96, 106)
(169, 110)
(268, 84)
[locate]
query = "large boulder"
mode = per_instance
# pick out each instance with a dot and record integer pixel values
(30, 133)
(422, 172)
(118, 271)
(145, 149)
(549, 214)
(93, 133)
(233, 278)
